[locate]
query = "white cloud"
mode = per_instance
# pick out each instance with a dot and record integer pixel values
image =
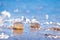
(51, 22)
(34, 21)
(17, 20)
(10, 20)
(1, 21)
(27, 20)
(24, 20)
(58, 23)
(46, 22)
(6, 13)
(14, 20)
(22, 17)
(3, 16)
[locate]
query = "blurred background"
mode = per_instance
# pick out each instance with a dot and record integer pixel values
(24, 17)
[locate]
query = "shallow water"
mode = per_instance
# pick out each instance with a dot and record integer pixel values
(29, 34)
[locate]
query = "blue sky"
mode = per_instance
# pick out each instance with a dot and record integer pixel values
(29, 8)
